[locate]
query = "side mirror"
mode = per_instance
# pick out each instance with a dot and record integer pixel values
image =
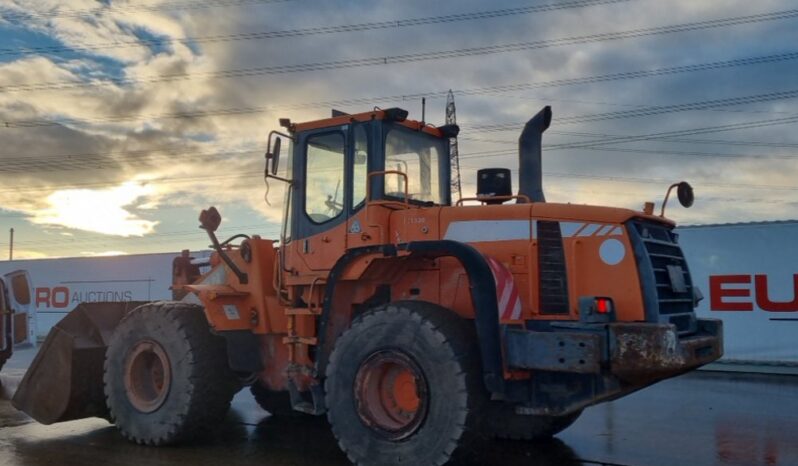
(274, 155)
(210, 219)
(685, 193)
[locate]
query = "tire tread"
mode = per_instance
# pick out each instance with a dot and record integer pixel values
(211, 384)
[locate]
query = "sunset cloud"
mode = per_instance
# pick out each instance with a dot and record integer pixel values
(98, 210)
(128, 155)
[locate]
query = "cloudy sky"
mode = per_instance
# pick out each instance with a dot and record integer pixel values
(120, 120)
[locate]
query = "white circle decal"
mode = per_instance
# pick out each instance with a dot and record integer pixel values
(612, 251)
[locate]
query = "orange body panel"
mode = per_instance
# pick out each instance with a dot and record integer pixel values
(230, 305)
(506, 233)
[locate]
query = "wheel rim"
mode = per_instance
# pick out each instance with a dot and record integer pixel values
(391, 393)
(147, 376)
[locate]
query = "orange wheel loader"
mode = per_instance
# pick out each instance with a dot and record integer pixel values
(417, 324)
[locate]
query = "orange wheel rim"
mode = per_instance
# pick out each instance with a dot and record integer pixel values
(391, 394)
(147, 376)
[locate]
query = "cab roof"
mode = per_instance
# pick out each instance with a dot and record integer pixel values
(397, 115)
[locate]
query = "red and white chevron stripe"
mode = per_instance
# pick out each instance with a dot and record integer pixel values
(506, 291)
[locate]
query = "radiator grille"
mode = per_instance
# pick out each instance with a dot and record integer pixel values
(671, 276)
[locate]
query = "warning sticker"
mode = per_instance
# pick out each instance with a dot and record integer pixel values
(231, 311)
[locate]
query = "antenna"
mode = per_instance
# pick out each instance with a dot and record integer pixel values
(423, 110)
(454, 155)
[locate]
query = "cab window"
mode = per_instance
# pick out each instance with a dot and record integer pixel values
(418, 155)
(324, 177)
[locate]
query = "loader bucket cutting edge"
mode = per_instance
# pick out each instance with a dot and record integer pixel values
(65, 380)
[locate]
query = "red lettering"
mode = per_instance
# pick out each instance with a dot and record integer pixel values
(764, 302)
(717, 292)
(60, 296)
(43, 297)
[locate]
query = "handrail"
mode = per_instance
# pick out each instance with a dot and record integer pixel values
(388, 172)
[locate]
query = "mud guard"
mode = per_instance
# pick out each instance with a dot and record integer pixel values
(65, 380)
(482, 289)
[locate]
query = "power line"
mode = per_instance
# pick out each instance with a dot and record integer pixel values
(722, 142)
(613, 139)
(629, 179)
(486, 90)
(136, 241)
(370, 26)
(146, 158)
(418, 57)
(101, 161)
(687, 132)
(161, 234)
(554, 174)
(498, 153)
(168, 180)
(270, 230)
(653, 110)
(54, 163)
(173, 6)
(635, 180)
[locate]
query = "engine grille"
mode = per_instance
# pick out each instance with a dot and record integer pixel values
(663, 268)
(551, 266)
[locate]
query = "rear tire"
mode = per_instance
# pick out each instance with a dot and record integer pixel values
(504, 423)
(166, 376)
(403, 386)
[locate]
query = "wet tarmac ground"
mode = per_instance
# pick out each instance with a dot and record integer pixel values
(700, 419)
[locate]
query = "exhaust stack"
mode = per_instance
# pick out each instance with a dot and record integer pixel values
(530, 166)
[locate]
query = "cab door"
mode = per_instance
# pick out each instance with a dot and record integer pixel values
(360, 231)
(321, 193)
(21, 306)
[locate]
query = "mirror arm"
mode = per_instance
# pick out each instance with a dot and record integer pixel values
(242, 276)
(278, 178)
(665, 202)
(279, 133)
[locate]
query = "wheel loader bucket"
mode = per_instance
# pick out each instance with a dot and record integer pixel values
(65, 380)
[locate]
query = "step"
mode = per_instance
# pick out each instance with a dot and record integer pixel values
(301, 340)
(302, 311)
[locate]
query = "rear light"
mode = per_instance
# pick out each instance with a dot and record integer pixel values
(596, 309)
(603, 305)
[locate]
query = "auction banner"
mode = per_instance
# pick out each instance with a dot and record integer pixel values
(58, 285)
(748, 274)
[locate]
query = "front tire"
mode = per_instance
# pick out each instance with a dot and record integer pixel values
(403, 386)
(166, 376)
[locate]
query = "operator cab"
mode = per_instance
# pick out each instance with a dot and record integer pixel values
(339, 162)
